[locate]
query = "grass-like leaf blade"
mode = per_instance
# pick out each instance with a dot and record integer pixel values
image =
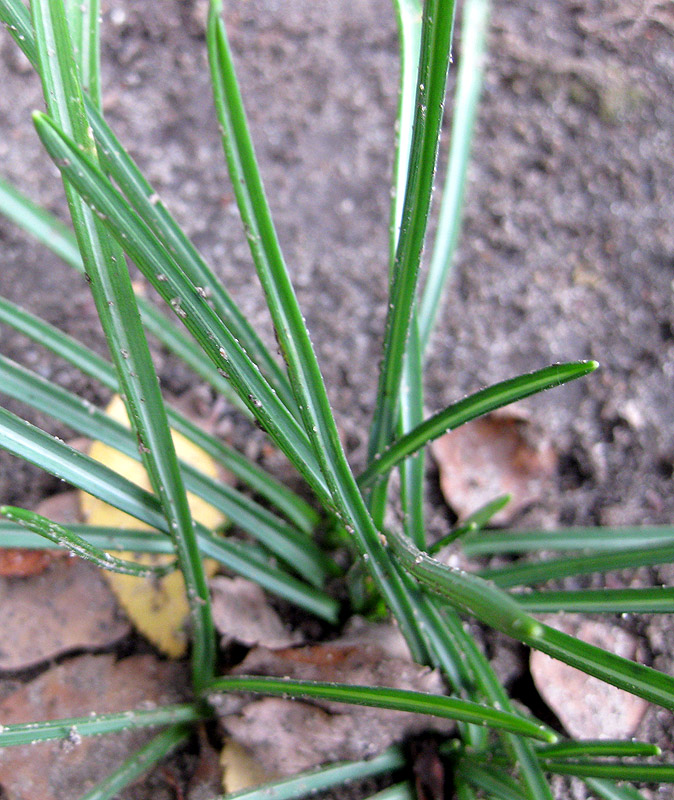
(98, 724)
(142, 760)
(43, 226)
(436, 37)
(64, 537)
(114, 298)
(643, 773)
(474, 19)
(579, 538)
(294, 547)
(553, 569)
(473, 523)
(495, 782)
(650, 600)
(323, 778)
(476, 405)
(84, 24)
(30, 443)
(382, 697)
(598, 747)
(482, 599)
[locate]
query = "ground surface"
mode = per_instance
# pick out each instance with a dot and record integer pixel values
(568, 247)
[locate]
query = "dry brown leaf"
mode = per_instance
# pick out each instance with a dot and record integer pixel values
(66, 608)
(587, 707)
(157, 608)
(275, 731)
(18, 562)
(68, 768)
(241, 613)
(490, 457)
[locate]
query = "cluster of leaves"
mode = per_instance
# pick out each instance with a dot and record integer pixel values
(115, 214)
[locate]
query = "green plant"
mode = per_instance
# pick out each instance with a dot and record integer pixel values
(115, 212)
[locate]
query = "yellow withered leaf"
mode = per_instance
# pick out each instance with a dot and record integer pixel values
(157, 608)
(239, 769)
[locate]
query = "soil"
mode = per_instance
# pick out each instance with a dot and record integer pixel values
(567, 250)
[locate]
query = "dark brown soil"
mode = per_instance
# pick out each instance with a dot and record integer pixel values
(568, 245)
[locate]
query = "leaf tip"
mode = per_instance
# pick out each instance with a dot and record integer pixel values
(550, 736)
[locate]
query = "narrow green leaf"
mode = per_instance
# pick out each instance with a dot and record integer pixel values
(399, 791)
(318, 780)
(464, 791)
(654, 686)
(293, 546)
(466, 592)
(16, 18)
(168, 279)
(84, 23)
(436, 37)
(101, 537)
(286, 501)
(476, 405)
(492, 780)
(31, 444)
(98, 724)
(603, 539)
(40, 224)
(139, 762)
(115, 303)
(599, 747)
(653, 600)
(644, 773)
(490, 605)
(412, 470)
(62, 536)
(474, 22)
(58, 342)
(409, 39)
(553, 569)
(473, 523)
(381, 697)
(609, 791)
